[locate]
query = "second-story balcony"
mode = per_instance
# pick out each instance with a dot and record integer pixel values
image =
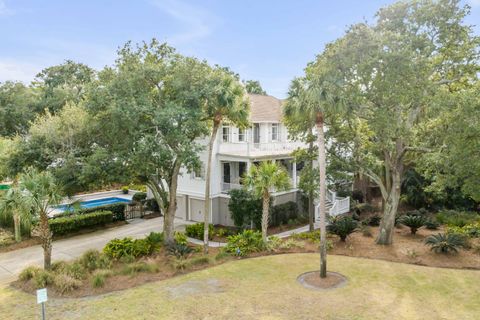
(251, 149)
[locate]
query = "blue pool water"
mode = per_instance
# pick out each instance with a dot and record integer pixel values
(95, 203)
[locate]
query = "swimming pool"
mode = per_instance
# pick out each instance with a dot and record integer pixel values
(95, 203)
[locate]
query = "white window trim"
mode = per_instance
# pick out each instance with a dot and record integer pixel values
(277, 133)
(229, 134)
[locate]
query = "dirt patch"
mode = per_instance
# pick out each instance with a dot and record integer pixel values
(406, 248)
(312, 280)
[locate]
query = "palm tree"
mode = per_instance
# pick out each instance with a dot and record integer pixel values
(225, 101)
(17, 205)
(309, 100)
(262, 179)
(44, 193)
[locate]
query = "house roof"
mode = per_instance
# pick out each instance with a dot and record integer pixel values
(265, 108)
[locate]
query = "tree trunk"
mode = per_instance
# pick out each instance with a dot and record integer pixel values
(266, 206)
(46, 237)
(311, 215)
(169, 217)
(16, 226)
(385, 235)
(216, 124)
(322, 165)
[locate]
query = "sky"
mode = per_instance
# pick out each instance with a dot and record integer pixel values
(266, 40)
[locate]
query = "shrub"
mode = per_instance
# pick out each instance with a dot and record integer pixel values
(180, 264)
(373, 221)
(431, 224)
(118, 248)
(221, 255)
(245, 243)
(445, 243)
(179, 250)
(291, 243)
(471, 230)
(342, 227)
(152, 205)
(99, 278)
(199, 261)
(283, 213)
(180, 238)
(196, 230)
(245, 208)
(357, 195)
(457, 218)
(139, 196)
(65, 225)
(125, 190)
(363, 208)
(117, 209)
(65, 283)
(155, 238)
(93, 259)
(273, 243)
(28, 273)
(310, 236)
(414, 222)
(42, 278)
(76, 270)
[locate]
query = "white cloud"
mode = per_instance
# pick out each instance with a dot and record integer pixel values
(474, 3)
(17, 70)
(197, 22)
(4, 10)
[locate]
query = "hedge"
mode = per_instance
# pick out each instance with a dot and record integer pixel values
(282, 213)
(65, 225)
(117, 210)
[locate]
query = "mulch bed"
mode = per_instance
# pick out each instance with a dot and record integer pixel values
(312, 280)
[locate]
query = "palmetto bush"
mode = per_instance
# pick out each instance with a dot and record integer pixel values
(342, 227)
(446, 242)
(414, 222)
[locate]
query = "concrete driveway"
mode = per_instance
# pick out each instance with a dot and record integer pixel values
(11, 263)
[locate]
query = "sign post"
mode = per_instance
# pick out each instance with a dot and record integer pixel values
(41, 299)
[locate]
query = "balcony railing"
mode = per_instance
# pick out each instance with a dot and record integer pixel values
(229, 186)
(250, 148)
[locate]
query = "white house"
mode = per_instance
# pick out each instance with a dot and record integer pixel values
(235, 150)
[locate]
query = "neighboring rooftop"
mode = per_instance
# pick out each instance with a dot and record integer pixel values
(265, 108)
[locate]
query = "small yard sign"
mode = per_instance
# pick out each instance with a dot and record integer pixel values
(42, 295)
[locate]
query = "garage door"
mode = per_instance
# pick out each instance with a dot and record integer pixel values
(181, 208)
(196, 210)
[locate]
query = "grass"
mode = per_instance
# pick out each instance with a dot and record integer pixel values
(265, 288)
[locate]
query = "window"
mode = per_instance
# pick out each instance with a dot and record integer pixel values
(274, 131)
(241, 135)
(226, 134)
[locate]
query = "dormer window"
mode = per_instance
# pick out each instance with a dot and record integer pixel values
(226, 134)
(274, 131)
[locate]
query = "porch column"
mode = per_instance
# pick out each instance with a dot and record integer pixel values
(294, 174)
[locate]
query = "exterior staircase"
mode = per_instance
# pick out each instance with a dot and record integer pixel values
(334, 206)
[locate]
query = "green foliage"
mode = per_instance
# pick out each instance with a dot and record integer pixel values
(254, 86)
(69, 224)
(244, 243)
(310, 236)
(99, 278)
(155, 238)
(291, 243)
(361, 208)
(128, 247)
(136, 267)
(42, 278)
(65, 283)
(28, 273)
(283, 213)
(373, 221)
(117, 209)
(431, 224)
(179, 250)
(414, 222)
(245, 208)
(125, 190)
(342, 227)
(199, 261)
(76, 270)
(180, 238)
(93, 259)
(446, 242)
(196, 230)
(139, 196)
(471, 230)
(456, 218)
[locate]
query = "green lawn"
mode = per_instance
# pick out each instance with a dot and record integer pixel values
(265, 288)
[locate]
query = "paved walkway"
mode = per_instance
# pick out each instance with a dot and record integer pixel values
(11, 263)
